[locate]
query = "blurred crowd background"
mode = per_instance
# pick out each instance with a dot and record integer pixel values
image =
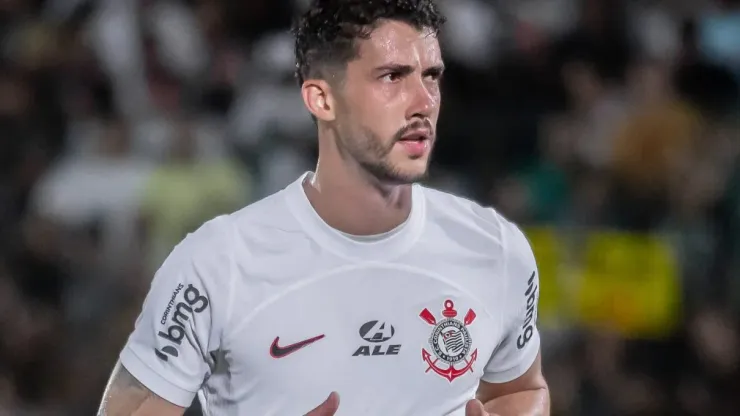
(610, 129)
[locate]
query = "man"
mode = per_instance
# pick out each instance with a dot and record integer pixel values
(399, 299)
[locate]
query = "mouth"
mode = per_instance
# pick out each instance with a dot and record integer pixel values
(416, 136)
(416, 143)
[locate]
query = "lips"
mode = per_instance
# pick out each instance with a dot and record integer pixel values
(416, 136)
(416, 143)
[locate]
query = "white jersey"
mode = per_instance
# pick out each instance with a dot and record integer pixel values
(268, 310)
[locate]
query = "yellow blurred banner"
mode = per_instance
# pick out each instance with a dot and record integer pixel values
(626, 282)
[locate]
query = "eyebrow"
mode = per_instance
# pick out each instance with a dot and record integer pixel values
(407, 69)
(397, 68)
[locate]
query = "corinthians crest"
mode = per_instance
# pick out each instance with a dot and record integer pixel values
(450, 343)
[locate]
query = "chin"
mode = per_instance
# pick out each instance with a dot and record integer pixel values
(409, 174)
(399, 173)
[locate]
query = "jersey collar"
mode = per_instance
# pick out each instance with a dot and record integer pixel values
(396, 244)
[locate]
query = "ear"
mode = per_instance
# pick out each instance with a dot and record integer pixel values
(318, 98)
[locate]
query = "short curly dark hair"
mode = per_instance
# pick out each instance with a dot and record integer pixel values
(325, 34)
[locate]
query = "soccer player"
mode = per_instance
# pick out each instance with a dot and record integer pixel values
(354, 290)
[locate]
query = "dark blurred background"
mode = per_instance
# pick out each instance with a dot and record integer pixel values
(610, 129)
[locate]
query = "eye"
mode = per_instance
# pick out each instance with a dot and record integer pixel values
(435, 76)
(391, 77)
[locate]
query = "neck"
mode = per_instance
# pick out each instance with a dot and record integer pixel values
(353, 201)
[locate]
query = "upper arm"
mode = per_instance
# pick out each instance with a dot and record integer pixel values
(519, 348)
(126, 396)
(171, 349)
(532, 379)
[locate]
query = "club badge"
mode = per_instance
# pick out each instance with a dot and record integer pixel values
(450, 343)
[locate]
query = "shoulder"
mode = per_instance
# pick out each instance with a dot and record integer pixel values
(443, 205)
(212, 257)
(480, 228)
(204, 254)
(229, 238)
(270, 211)
(470, 219)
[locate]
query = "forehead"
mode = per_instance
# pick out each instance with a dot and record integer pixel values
(400, 43)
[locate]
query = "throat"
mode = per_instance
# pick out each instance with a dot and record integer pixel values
(359, 213)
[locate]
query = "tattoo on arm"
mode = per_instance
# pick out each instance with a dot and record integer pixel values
(124, 394)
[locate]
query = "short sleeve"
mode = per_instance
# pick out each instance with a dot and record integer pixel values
(521, 341)
(181, 321)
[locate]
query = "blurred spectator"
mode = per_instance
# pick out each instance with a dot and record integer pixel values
(102, 189)
(597, 109)
(654, 144)
(186, 191)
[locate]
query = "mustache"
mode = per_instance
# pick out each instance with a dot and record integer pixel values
(416, 125)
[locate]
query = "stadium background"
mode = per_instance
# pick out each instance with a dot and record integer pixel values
(610, 129)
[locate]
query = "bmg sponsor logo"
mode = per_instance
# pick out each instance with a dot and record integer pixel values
(531, 317)
(193, 303)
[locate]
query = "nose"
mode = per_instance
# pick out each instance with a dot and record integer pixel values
(424, 99)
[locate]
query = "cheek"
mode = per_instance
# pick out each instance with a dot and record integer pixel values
(384, 100)
(379, 110)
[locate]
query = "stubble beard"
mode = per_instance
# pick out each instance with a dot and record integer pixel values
(374, 158)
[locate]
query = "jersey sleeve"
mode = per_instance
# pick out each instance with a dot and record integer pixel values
(181, 322)
(521, 340)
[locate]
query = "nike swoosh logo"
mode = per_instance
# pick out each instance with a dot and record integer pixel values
(276, 351)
